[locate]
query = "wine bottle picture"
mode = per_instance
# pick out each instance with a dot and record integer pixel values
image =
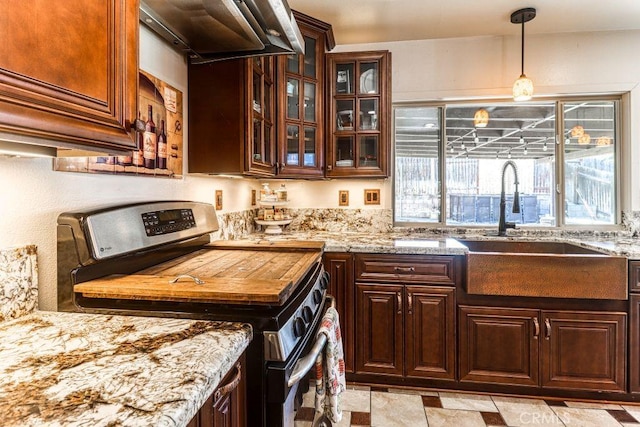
(162, 147)
(138, 155)
(150, 141)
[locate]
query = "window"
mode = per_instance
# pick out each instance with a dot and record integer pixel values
(450, 168)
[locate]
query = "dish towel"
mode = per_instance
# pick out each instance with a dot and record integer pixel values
(330, 378)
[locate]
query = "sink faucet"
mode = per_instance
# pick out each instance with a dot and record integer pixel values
(502, 223)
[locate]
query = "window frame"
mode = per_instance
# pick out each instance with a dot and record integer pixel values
(621, 155)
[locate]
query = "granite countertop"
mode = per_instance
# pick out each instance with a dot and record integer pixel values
(411, 242)
(73, 369)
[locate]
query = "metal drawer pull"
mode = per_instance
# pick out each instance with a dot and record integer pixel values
(399, 298)
(187, 276)
(230, 386)
(547, 326)
(404, 269)
(410, 301)
(536, 328)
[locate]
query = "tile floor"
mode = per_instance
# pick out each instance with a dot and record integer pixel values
(389, 407)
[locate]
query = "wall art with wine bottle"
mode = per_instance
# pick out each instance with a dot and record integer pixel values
(160, 145)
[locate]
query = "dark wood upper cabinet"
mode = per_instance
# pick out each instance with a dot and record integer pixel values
(68, 78)
(301, 105)
(358, 114)
(232, 117)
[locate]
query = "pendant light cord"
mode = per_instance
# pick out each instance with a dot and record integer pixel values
(522, 53)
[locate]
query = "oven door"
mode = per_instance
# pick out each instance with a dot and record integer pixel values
(287, 381)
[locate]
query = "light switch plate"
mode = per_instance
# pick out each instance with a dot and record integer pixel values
(218, 200)
(343, 198)
(372, 197)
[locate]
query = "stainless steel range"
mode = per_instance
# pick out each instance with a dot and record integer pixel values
(156, 259)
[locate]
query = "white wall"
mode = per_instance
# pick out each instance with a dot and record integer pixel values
(32, 195)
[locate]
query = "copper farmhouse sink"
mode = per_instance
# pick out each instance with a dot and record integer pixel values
(543, 269)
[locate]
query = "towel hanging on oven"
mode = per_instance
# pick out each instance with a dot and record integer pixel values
(330, 369)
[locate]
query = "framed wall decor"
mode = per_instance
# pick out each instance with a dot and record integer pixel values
(160, 146)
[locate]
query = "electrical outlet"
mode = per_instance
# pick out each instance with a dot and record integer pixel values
(218, 200)
(343, 198)
(372, 197)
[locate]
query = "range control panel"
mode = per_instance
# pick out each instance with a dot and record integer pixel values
(167, 221)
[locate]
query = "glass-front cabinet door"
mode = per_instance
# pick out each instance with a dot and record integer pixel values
(360, 101)
(301, 77)
(261, 156)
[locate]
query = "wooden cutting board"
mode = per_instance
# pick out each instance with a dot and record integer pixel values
(231, 276)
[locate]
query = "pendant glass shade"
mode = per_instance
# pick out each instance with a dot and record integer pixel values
(481, 118)
(522, 89)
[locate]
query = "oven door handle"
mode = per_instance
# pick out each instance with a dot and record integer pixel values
(305, 364)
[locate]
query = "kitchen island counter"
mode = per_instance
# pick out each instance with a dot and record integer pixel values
(64, 369)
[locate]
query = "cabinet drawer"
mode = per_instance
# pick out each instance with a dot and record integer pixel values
(405, 268)
(634, 276)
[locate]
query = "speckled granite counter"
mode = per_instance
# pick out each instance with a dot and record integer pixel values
(407, 242)
(71, 369)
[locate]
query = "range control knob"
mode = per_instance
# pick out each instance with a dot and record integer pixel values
(307, 314)
(299, 328)
(324, 280)
(317, 296)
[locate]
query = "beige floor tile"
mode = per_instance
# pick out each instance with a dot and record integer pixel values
(303, 423)
(630, 424)
(413, 391)
(467, 401)
(438, 417)
(356, 400)
(397, 410)
(358, 387)
(592, 405)
(309, 398)
(518, 412)
(578, 417)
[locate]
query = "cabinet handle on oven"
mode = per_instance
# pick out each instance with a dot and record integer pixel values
(197, 280)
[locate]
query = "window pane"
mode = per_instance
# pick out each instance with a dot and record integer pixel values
(417, 189)
(476, 157)
(589, 162)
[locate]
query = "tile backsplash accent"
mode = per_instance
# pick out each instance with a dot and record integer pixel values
(18, 282)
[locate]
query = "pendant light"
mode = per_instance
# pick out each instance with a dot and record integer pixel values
(523, 87)
(481, 118)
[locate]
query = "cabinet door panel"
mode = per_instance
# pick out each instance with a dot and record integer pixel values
(499, 345)
(634, 342)
(430, 332)
(379, 329)
(341, 286)
(69, 77)
(584, 350)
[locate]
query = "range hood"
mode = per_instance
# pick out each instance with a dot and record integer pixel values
(211, 30)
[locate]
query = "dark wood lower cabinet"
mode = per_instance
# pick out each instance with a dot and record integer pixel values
(584, 350)
(226, 406)
(430, 332)
(565, 349)
(406, 330)
(341, 286)
(634, 341)
(499, 345)
(379, 329)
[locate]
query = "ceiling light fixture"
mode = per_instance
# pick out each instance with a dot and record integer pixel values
(481, 118)
(544, 146)
(475, 137)
(523, 87)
